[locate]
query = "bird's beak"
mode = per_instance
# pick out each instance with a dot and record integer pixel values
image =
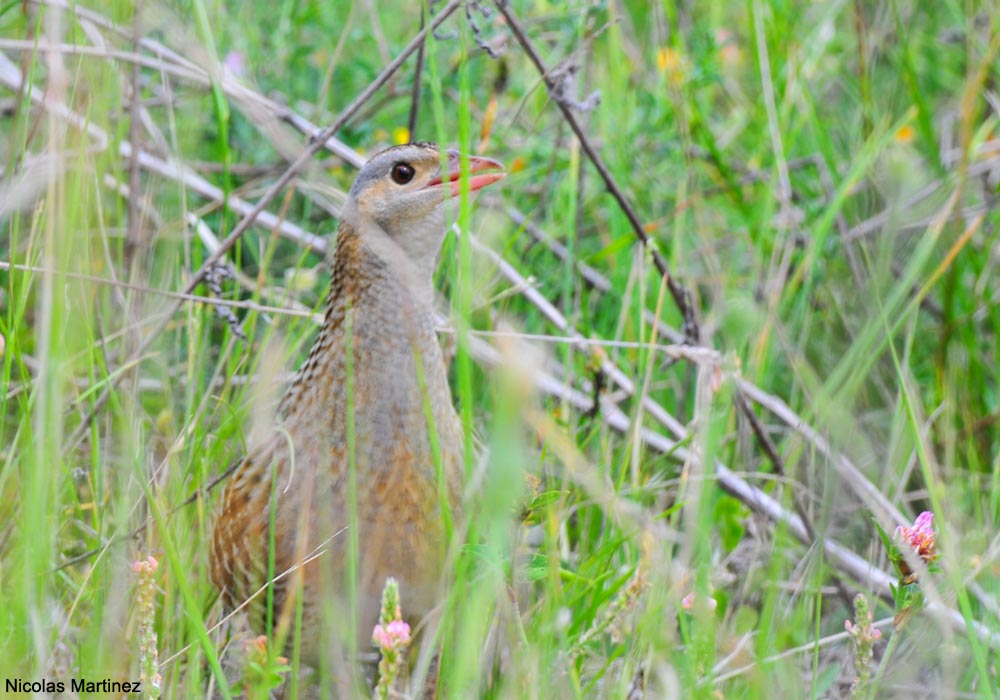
(479, 176)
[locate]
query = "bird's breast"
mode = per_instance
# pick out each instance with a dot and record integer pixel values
(383, 402)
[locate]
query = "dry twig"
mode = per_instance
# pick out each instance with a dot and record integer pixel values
(681, 296)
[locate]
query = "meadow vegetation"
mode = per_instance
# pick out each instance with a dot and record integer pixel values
(699, 409)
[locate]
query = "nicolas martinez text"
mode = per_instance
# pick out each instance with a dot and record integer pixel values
(75, 685)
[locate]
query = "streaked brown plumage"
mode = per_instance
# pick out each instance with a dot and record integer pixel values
(380, 304)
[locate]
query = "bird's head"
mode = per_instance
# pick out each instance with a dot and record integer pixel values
(403, 190)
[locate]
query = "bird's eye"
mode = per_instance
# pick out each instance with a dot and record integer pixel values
(402, 173)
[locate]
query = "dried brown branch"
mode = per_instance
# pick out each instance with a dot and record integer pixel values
(681, 296)
(418, 70)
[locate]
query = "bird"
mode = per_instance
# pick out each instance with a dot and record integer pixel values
(366, 432)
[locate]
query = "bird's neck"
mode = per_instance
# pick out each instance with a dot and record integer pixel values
(371, 271)
(380, 307)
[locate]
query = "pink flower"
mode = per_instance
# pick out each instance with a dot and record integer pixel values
(391, 636)
(400, 631)
(691, 600)
(920, 536)
(147, 566)
(868, 633)
(235, 63)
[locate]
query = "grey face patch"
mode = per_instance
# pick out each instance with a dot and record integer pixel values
(379, 166)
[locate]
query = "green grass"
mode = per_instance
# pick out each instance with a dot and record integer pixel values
(755, 140)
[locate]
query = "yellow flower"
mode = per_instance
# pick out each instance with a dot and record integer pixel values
(400, 135)
(667, 58)
(672, 64)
